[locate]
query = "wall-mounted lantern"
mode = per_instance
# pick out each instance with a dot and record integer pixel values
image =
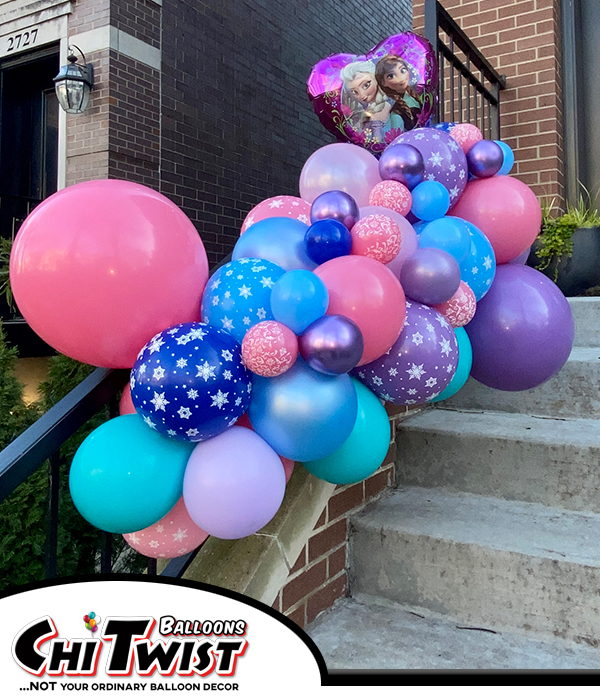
(74, 82)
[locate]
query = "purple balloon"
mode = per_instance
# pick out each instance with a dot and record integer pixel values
(402, 163)
(337, 205)
(444, 159)
(233, 484)
(522, 332)
(485, 158)
(430, 276)
(332, 344)
(520, 259)
(419, 365)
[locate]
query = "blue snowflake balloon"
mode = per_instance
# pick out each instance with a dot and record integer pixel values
(238, 295)
(189, 382)
(479, 268)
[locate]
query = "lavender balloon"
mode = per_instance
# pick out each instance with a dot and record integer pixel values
(332, 344)
(520, 259)
(485, 158)
(402, 163)
(444, 159)
(522, 332)
(421, 362)
(337, 205)
(430, 276)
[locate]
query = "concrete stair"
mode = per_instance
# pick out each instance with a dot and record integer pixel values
(495, 524)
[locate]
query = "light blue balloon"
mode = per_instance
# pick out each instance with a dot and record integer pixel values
(278, 239)
(509, 158)
(479, 268)
(303, 414)
(449, 234)
(465, 361)
(298, 298)
(238, 295)
(430, 200)
(126, 476)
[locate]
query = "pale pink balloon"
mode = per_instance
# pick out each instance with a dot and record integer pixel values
(393, 195)
(461, 306)
(368, 293)
(377, 237)
(172, 536)
(101, 267)
(340, 166)
(288, 464)
(269, 349)
(126, 404)
(466, 135)
(284, 205)
(505, 210)
(409, 242)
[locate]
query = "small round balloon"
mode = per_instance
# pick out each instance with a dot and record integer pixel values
(377, 237)
(408, 237)
(283, 205)
(189, 382)
(298, 298)
(430, 276)
(485, 158)
(278, 239)
(508, 158)
(430, 200)
(238, 295)
(393, 195)
(327, 239)
(336, 205)
(332, 345)
(269, 349)
(460, 309)
(402, 163)
(466, 135)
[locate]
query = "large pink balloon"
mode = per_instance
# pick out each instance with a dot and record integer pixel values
(409, 242)
(340, 166)
(505, 210)
(234, 484)
(99, 268)
(368, 293)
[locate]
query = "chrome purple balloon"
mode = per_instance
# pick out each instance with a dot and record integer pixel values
(402, 163)
(485, 158)
(430, 276)
(337, 205)
(332, 344)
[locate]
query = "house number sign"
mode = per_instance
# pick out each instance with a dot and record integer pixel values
(20, 41)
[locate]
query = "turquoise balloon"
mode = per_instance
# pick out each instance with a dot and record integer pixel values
(92, 615)
(465, 360)
(135, 474)
(364, 451)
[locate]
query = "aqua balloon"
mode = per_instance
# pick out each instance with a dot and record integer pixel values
(299, 298)
(465, 360)
(135, 474)
(364, 451)
(509, 158)
(430, 200)
(450, 234)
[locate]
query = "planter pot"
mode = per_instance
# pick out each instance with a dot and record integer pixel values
(578, 272)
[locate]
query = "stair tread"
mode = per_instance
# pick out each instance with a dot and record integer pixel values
(515, 526)
(368, 634)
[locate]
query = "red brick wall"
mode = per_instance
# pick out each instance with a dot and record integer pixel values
(521, 38)
(320, 576)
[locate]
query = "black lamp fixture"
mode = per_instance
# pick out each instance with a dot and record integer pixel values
(74, 82)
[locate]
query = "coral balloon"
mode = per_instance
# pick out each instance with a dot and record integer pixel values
(393, 195)
(269, 349)
(466, 135)
(377, 237)
(126, 404)
(284, 205)
(368, 293)
(460, 309)
(172, 536)
(408, 242)
(100, 267)
(340, 166)
(507, 212)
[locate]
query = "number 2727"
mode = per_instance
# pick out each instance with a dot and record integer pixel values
(22, 40)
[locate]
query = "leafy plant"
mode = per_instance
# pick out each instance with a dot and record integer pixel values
(5, 288)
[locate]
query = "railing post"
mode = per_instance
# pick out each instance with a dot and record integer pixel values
(495, 114)
(431, 34)
(51, 547)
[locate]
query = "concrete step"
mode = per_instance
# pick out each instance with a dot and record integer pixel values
(571, 393)
(555, 462)
(368, 634)
(515, 567)
(586, 312)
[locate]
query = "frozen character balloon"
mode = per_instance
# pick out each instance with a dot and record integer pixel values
(372, 99)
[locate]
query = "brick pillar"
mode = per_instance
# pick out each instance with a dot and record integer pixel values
(521, 38)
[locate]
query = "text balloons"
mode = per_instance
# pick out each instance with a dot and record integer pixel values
(98, 268)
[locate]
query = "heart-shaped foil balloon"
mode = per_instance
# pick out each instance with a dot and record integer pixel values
(370, 100)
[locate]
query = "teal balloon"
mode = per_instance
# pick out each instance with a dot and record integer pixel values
(92, 615)
(133, 473)
(364, 451)
(465, 360)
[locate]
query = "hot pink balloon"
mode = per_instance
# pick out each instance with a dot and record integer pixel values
(99, 268)
(172, 536)
(288, 464)
(284, 205)
(126, 404)
(393, 195)
(368, 293)
(466, 135)
(505, 210)
(340, 166)
(409, 242)
(377, 237)
(269, 348)
(460, 309)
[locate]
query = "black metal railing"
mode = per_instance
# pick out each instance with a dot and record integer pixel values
(469, 87)
(14, 209)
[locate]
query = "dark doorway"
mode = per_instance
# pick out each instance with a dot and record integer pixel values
(28, 160)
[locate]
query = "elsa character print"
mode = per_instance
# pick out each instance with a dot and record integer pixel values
(394, 77)
(371, 108)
